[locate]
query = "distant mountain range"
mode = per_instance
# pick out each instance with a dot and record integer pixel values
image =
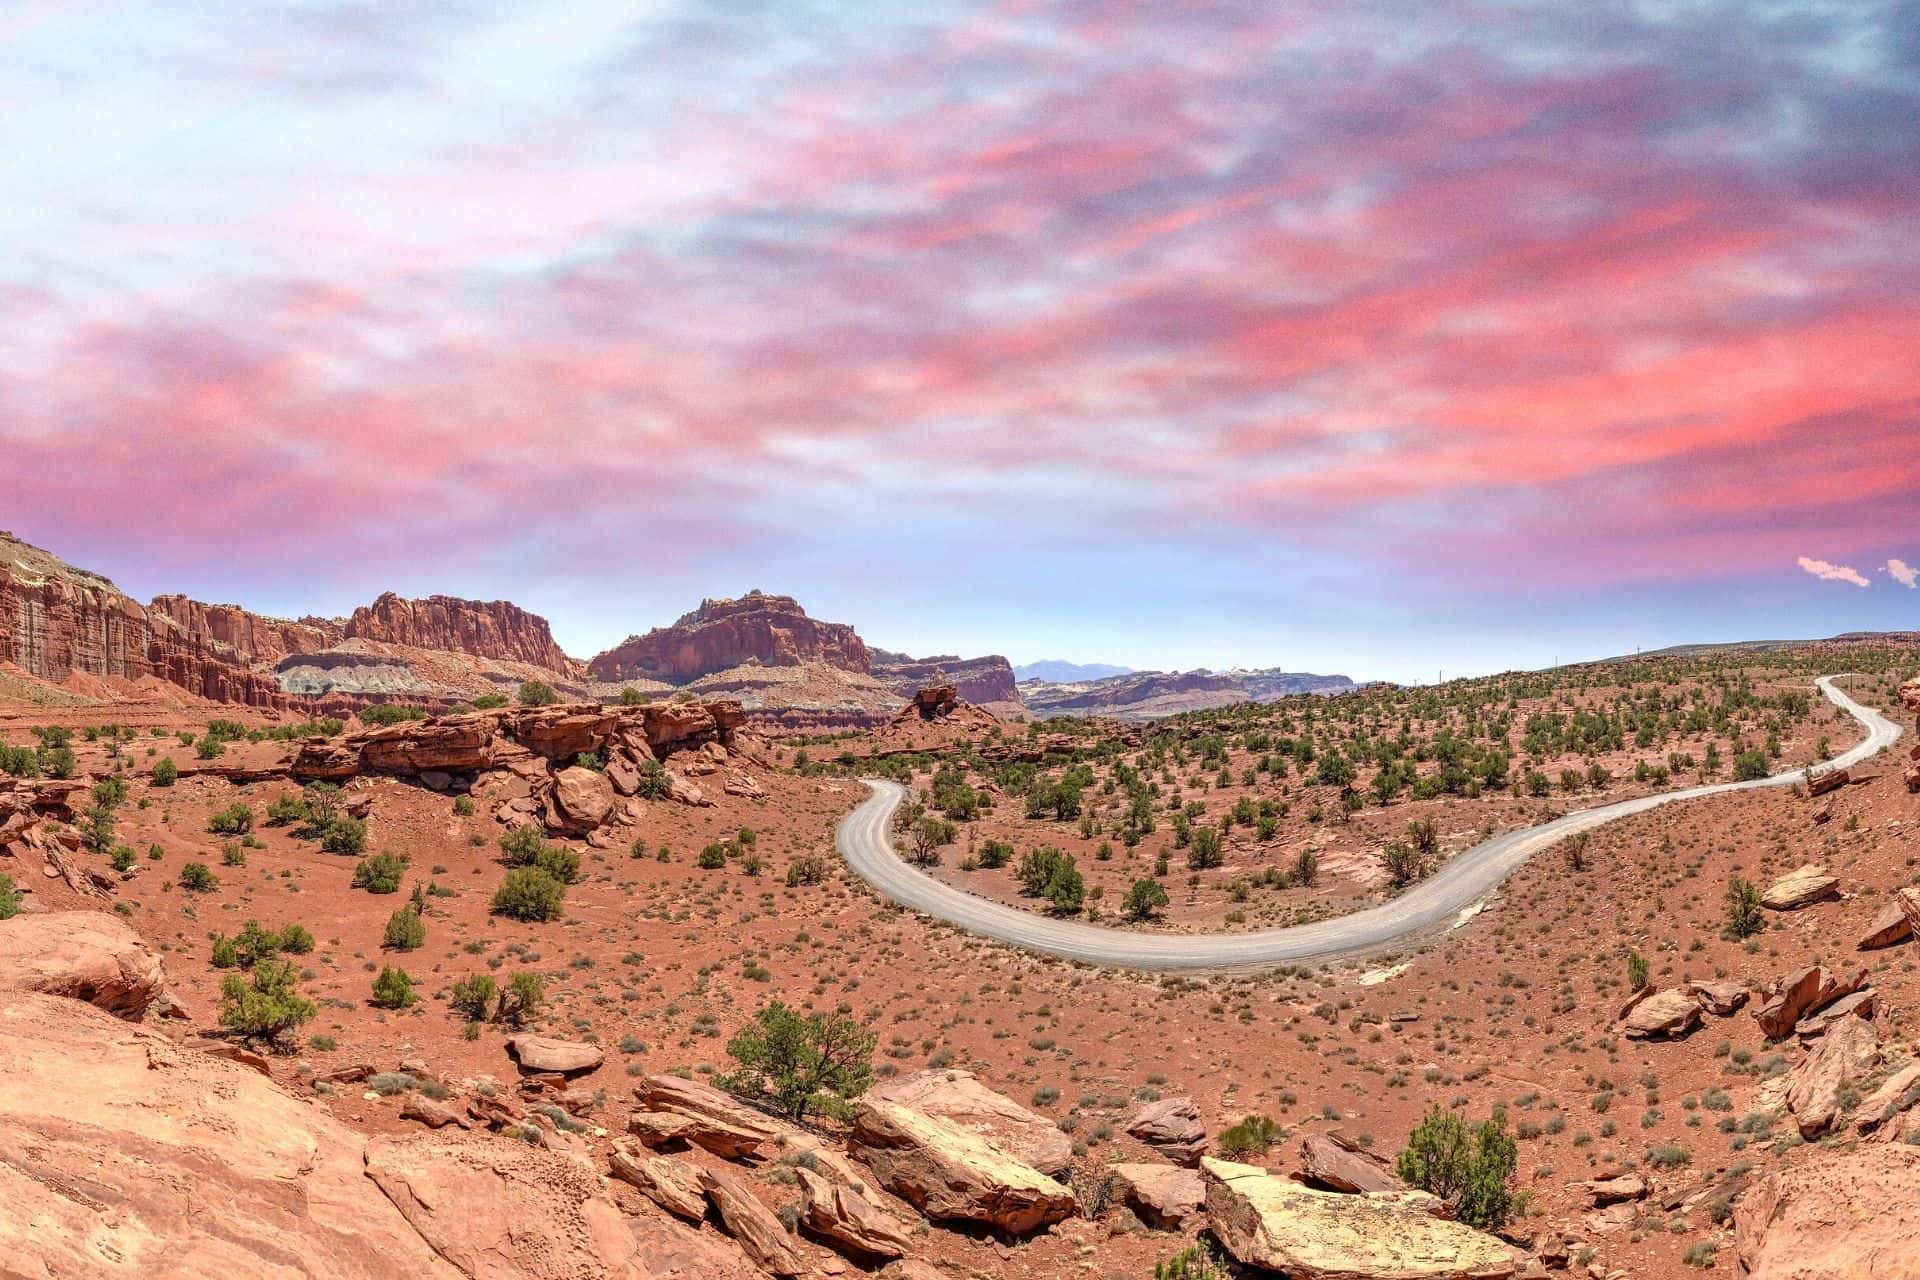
(1059, 671)
(1150, 695)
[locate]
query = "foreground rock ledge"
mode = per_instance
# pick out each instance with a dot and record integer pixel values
(953, 1174)
(1277, 1224)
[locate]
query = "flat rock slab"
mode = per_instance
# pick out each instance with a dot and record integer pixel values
(1165, 1194)
(1306, 1234)
(1673, 1012)
(960, 1097)
(951, 1173)
(543, 1053)
(1801, 887)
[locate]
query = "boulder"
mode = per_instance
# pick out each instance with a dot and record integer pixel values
(582, 801)
(681, 791)
(1673, 1012)
(960, 1097)
(672, 1184)
(1279, 1225)
(751, 1224)
(1861, 1004)
(1846, 1052)
(430, 1113)
(1719, 998)
(1890, 925)
(1618, 1189)
(1896, 1094)
(92, 956)
(1801, 887)
(744, 786)
(1799, 994)
(1171, 1126)
(951, 1173)
(1164, 1195)
(1831, 780)
(1909, 900)
(847, 1219)
(706, 1117)
(544, 1053)
(1334, 1163)
(1837, 1215)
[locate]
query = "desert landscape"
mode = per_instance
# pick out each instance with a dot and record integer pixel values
(977, 640)
(570, 978)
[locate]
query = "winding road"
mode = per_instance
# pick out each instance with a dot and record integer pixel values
(1439, 900)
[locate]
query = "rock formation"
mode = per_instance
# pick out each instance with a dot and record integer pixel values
(959, 1097)
(773, 631)
(1279, 1225)
(986, 681)
(484, 628)
(1852, 1213)
(1172, 1127)
(950, 1173)
(1151, 695)
(1801, 887)
(1165, 1195)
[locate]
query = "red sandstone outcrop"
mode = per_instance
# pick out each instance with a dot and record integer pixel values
(484, 628)
(980, 681)
(1852, 1213)
(246, 638)
(773, 631)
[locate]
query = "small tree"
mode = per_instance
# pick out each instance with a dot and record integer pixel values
(344, 835)
(1404, 862)
(1306, 868)
(393, 988)
(529, 893)
(380, 873)
(801, 1064)
(537, 693)
(166, 772)
(928, 833)
(266, 1003)
(1473, 1171)
(406, 931)
(1743, 908)
(473, 997)
(1576, 850)
(1066, 889)
(234, 820)
(1144, 898)
(1636, 969)
(1206, 849)
(322, 802)
(197, 877)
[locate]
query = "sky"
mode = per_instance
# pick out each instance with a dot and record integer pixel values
(1385, 339)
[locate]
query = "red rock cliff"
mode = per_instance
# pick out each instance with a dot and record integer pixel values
(56, 620)
(483, 628)
(771, 630)
(979, 680)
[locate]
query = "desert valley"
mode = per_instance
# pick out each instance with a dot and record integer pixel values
(337, 946)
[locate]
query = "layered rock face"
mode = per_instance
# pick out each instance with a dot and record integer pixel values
(484, 628)
(976, 680)
(57, 621)
(773, 631)
(1150, 695)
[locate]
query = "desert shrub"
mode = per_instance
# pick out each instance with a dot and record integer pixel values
(284, 810)
(406, 931)
(995, 853)
(380, 873)
(1472, 1170)
(9, 898)
(165, 772)
(1197, 1262)
(322, 801)
(1144, 898)
(521, 999)
(1744, 918)
(265, 1003)
(654, 782)
(488, 701)
(1306, 868)
(234, 820)
(210, 747)
(296, 940)
(801, 1064)
(198, 877)
(1636, 969)
(344, 835)
(393, 988)
(1404, 862)
(473, 997)
(1205, 849)
(520, 846)
(537, 693)
(529, 893)
(463, 806)
(385, 713)
(1250, 1137)
(712, 858)
(122, 857)
(806, 869)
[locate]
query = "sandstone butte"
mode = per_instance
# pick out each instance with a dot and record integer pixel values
(484, 628)
(772, 630)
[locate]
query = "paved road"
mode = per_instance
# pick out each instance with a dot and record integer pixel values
(1436, 901)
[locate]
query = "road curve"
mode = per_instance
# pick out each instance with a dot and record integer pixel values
(1437, 900)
